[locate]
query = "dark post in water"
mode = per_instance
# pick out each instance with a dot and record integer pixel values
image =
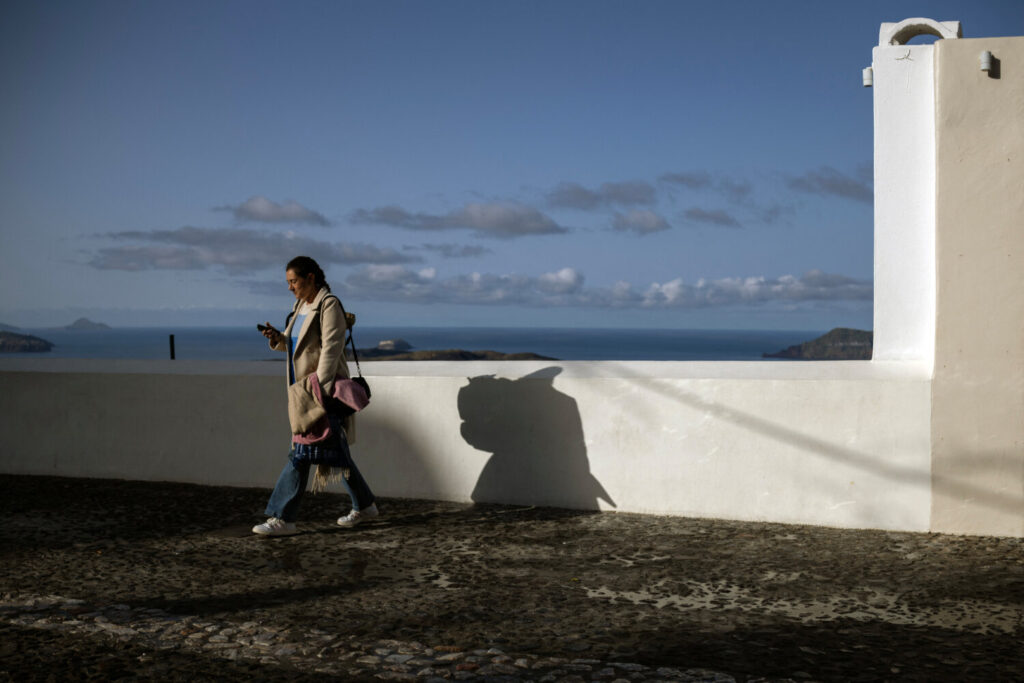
(172, 347)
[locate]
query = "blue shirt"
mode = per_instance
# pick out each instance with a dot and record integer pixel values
(300, 318)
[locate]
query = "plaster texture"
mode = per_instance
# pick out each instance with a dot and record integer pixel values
(978, 391)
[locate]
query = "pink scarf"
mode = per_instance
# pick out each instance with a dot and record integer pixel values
(347, 391)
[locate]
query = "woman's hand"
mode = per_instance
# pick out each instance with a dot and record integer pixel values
(270, 333)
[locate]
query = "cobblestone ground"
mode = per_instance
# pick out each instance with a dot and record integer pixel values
(112, 580)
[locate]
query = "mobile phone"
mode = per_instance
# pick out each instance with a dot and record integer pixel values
(261, 327)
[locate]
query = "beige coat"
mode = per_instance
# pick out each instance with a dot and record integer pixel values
(319, 348)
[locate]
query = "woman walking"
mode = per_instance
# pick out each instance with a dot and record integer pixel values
(314, 339)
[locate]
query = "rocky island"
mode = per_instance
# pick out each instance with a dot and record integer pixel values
(400, 349)
(85, 325)
(394, 345)
(841, 343)
(446, 354)
(12, 342)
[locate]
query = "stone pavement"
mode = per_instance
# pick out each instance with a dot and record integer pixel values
(113, 580)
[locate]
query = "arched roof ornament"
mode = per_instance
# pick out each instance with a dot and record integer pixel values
(901, 32)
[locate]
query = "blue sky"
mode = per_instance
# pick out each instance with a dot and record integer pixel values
(610, 164)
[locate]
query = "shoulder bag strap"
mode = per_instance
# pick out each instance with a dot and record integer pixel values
(351, 341)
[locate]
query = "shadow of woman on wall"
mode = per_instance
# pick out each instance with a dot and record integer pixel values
(536, 436)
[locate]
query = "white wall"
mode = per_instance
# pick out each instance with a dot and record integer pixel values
(838, 444)
(904, 112)
(814, 443)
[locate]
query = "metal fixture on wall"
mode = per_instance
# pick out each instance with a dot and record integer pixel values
(986, 61)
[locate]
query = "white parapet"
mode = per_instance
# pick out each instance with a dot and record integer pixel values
(903, 78)
(843, 444)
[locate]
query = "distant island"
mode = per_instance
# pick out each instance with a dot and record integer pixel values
(85, 325)
(15, 342)
(12, 342)
(400, 349)
(80, 325)
(446, 354)
(841, 343)
(394, 345)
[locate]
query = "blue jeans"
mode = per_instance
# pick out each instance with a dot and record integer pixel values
(291, 486)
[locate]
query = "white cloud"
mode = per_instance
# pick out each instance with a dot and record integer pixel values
(711, 217)
(452, 250)
(627, 193)
(565, 287)
(738, 194)
(235, 250)
(262, 210)
(565, 281)
(148, 258)
(640, 221)
(827, 181)
(695, 180)
(812, 286)
(735, 190)
(396, 283)
(504, 220)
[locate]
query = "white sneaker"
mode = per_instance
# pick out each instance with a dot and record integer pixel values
(357, 516)
(275, 527)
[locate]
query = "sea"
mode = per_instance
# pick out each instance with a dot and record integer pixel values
(229, 343)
